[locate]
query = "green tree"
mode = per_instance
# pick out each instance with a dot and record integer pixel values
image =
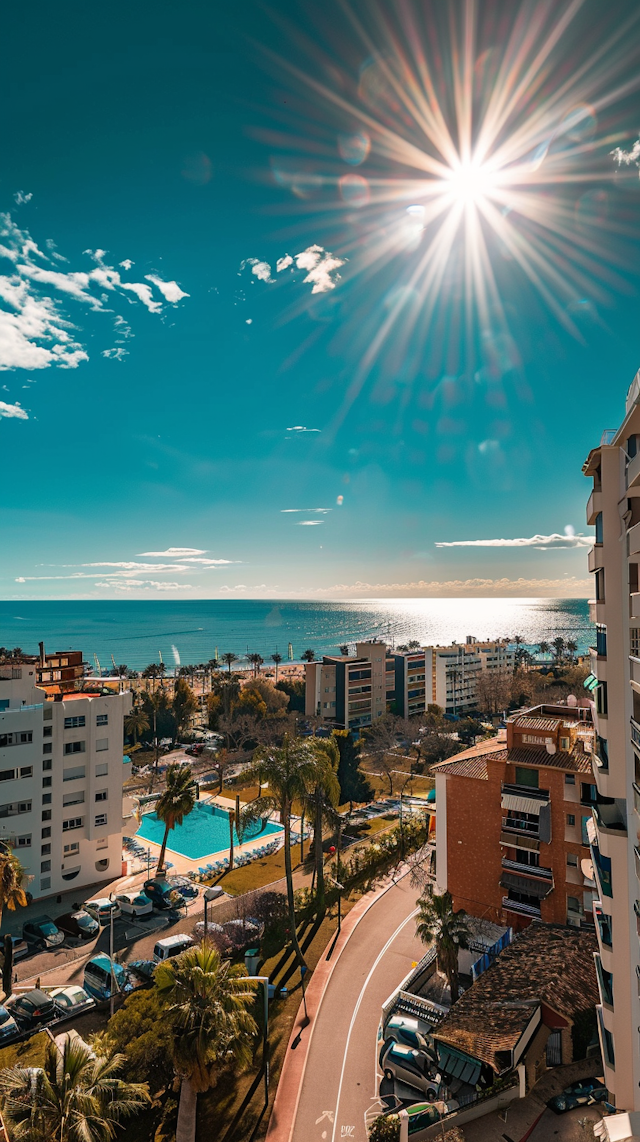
(543, 647)
(321, 804)
(140, 1031)
(208, 1007)
(229, 658)
(136, 723)
(184, 704)
(74, 1097)
(296, 690)
(289, 773)
(308, 655)
(439, 924)
(468, 729)
(176, 803)
(558, 645)
(572, 648)
(277, 658)
(354, 784)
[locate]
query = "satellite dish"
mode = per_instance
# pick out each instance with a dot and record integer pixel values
(551, 747)
(572, 700)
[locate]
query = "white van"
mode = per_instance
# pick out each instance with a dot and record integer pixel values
(171, 946)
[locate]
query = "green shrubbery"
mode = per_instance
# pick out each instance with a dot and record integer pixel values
(385, 1128)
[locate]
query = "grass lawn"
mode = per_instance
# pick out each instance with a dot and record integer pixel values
(30, 1053)
(259, 872)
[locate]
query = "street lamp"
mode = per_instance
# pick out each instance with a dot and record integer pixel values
(112, 997)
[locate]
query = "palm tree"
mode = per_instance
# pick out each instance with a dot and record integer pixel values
(212, 666)
(558, 645)
(255, 661)
(74, 1097)
(208, 1004)
(277, 658)
(344, 649)
(414, 644)
(136, 723)
(176, 803)
(150, 671)
(308, 655)
(229, 658)
(12, 880)
(572, 648)
(322, 802)
(289, 773)
(438, 923)
(543, 647)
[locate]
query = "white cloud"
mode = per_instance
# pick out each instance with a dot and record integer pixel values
(209, 562)
(12, 410)
(321, 267)
(126, 566)
(542, 542)
(320, 511)
(20, 197)
(309, 522)
(178, 551)
(170, 290)
(300, 429)
(118, 354)
(127, 264)
(35, 330)
(627, 157)
(143, 584)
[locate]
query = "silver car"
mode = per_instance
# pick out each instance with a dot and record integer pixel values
(412, 1067)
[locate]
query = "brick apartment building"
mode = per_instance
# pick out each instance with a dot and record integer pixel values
(512, 813)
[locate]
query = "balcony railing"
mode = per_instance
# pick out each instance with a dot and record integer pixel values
(525, 828)
(526, 791)
(635, 733)
(522, 909)
(527, 869)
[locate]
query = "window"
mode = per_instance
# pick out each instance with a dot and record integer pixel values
(47, 747)
(102, 795)
(601, 698)
(22, 738)
(75, 798)
(46, 764)
(47, 732)
(102, 719)
(73, 773)
(634, 647)
(572, 860)
(14, 807)
(46, 782)
(528, 777)
(45, 882)
(46, 798)
(599, 527)
(4, 703)
(569, 778)
(74, 747)
(588, 793)
(74, 847)
(599, 577)
(74, 723)
(101, 819)
(565, 744)
(45, 850)
(47, 715)
(102, 865)
(7, 774)
(601, 640)
(46, 814)
(101, 744)
(24, 842)
(571, 820)
(573, 904)
(46, 832)
(71, 874)
(102, 769)
(26, 771)
(45, 866)
(72, 823)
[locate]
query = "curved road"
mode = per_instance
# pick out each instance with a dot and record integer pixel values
(340, 1085)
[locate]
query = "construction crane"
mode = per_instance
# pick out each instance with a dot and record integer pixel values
(97, 662)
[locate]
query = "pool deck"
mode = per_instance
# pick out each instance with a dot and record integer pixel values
(183, 864)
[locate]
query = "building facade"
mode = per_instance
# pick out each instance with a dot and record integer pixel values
(512, 817)
(351, 691)
(61, 775)
(614, 510)
(453, 672)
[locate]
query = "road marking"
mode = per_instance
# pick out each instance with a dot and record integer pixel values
(325, 1114)
(357, 1007)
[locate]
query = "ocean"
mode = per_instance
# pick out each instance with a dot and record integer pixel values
(189, 631)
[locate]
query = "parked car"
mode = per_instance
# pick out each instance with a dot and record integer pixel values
(171, 946)
(42, 933)
(135, 904)
(584, 1092)
(71, 1000)
(33, 1008)
(80, 924)
(101, 909)
(184, 886)
(161, 891)
(410, 1032)
(143, 969)
(8, 1026)
(410, 1066)
(194, 750)
(100, 974)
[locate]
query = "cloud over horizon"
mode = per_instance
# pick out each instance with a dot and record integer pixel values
(541, 542)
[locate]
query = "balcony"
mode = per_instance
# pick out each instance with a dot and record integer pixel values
(633, 537)
(634, 605)
(525, 791)
(535, 870)
(609, 814)
(594, 506)
(635, 734)
(633, 471)
(595, 557)
(524, 829)
(509, 905)
(603, 921)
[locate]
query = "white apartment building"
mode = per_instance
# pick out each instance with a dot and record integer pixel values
(614, 510)
(351, 691)
(61, 775)
(452, 672)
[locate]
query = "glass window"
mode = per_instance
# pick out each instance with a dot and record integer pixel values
(46, 832)
(46, 782)
(72, 823)
(528, 777)
(102, 795)
(46, 798)
(73, 723)
(569, 778)
(45, 866)
(47, 747)
(46, 764)
(75, 798)
(23, 842)
(572, 860)
(571, 820)
(45, 882)
(101, 744)
(74, 747)
(601, 640)
(599, 527)
(101, 819)
(45, 849)
(46, 814)
(102, 719)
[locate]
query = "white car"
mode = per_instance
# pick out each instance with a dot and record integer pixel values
(71, 1000)
(135, 904)
(102, 908)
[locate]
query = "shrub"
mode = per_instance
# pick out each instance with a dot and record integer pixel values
(385, 1128)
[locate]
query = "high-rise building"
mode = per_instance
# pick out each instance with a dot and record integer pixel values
(351, 691)
(511, 821)
(61, 775)
(614, 510)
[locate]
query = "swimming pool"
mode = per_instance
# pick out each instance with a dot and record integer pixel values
(204, 832)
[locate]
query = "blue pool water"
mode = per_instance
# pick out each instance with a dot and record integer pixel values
(204, 832)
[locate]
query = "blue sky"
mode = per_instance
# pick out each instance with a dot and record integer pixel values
(228, 339)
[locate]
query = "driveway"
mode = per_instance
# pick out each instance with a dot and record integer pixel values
(340, 1084)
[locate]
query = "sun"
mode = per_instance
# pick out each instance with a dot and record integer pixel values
(468, 183)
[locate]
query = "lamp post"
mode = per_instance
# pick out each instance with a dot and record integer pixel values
(113, 978)
(208, 895)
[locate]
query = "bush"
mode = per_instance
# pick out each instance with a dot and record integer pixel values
(385, 1128)
(140, 1030)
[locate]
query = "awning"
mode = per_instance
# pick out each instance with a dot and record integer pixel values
(590, 682)
(523, 804)
(539, 888)
(457, 1065)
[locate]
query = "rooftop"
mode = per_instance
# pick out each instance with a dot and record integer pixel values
(550, 964)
